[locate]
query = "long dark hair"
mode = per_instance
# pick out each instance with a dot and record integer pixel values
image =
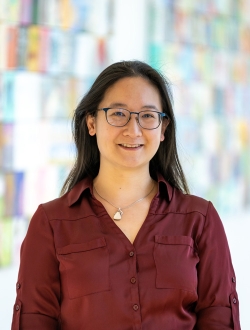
(87, 162)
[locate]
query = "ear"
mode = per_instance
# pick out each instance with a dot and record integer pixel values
(91, 124)
(164, 126)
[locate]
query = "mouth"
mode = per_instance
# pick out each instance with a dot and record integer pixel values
(130, 146)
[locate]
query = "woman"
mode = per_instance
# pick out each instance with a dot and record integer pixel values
(126, 246)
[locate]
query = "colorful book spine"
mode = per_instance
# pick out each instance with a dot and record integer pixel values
(26, 12)
(67, 13)
(12, 32)
(35, 12)
(33, 48)
(6, 145)
(18, 193)
(44, 48)
(22, 47)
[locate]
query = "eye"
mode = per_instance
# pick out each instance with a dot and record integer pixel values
(148, 115)
(117, 112)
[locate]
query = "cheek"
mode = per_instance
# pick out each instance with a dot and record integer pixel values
(159, 136)
(156, 139)
(102, 138)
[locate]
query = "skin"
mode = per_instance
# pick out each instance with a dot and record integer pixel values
(125, 152)
(133, 94)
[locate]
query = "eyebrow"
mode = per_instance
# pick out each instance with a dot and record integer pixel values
(123, 105)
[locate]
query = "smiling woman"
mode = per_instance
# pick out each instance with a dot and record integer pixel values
(126, 246)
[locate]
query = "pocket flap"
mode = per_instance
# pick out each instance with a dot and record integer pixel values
(81, 247)
(174, 240)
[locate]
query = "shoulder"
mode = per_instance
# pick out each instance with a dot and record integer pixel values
(55, 207)
(178, 202)
(67, 206)
(186, 203)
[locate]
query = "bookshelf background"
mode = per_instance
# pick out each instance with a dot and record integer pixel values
(204, 48)
(51, 52)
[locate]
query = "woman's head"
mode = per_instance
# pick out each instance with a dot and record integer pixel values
(87, 161)
(129, 125)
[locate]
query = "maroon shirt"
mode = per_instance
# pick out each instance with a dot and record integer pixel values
(79, 271)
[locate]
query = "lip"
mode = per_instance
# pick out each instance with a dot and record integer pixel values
(128, 146)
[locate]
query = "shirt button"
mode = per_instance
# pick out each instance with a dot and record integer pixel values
(18, 285)
(17, 307)
(131, 253)
(234, 300)
(233, 279)
(135, 307)
(133, 280)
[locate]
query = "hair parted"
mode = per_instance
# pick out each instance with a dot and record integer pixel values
(87, 162)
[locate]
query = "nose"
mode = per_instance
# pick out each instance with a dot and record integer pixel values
(133, 128)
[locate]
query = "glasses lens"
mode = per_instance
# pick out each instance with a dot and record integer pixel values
(118, 117)
(149, 119)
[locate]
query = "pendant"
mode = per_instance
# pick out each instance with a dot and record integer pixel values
(118, 214)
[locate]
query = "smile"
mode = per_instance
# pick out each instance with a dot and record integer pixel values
(130, 145)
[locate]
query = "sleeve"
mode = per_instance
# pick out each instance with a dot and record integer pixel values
(217, 307)
(37, 303)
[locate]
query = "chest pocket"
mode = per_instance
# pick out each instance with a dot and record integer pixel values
(175, 260)
(85, 267)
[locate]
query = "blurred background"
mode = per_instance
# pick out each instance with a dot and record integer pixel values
(50, 53)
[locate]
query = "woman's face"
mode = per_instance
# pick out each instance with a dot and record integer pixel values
(129, 146)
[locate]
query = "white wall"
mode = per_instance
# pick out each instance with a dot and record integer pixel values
(237, 228)
(129, 39)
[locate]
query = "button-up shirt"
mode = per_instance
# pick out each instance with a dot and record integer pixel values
(79, 271)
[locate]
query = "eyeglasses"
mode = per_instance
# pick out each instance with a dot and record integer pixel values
(148, 119)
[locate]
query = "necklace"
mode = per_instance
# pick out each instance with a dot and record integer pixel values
(119, 212)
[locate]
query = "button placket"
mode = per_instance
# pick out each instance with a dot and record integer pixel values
(134, 288)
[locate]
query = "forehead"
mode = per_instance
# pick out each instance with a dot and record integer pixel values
(136, 91)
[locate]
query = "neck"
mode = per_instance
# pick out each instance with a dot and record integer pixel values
(123, 187)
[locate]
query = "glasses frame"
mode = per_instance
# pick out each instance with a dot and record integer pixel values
(161, 116)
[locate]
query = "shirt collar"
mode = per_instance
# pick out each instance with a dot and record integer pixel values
(87, 183)
(164, 187)
(75, 193)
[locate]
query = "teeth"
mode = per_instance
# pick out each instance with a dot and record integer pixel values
(130, 145)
